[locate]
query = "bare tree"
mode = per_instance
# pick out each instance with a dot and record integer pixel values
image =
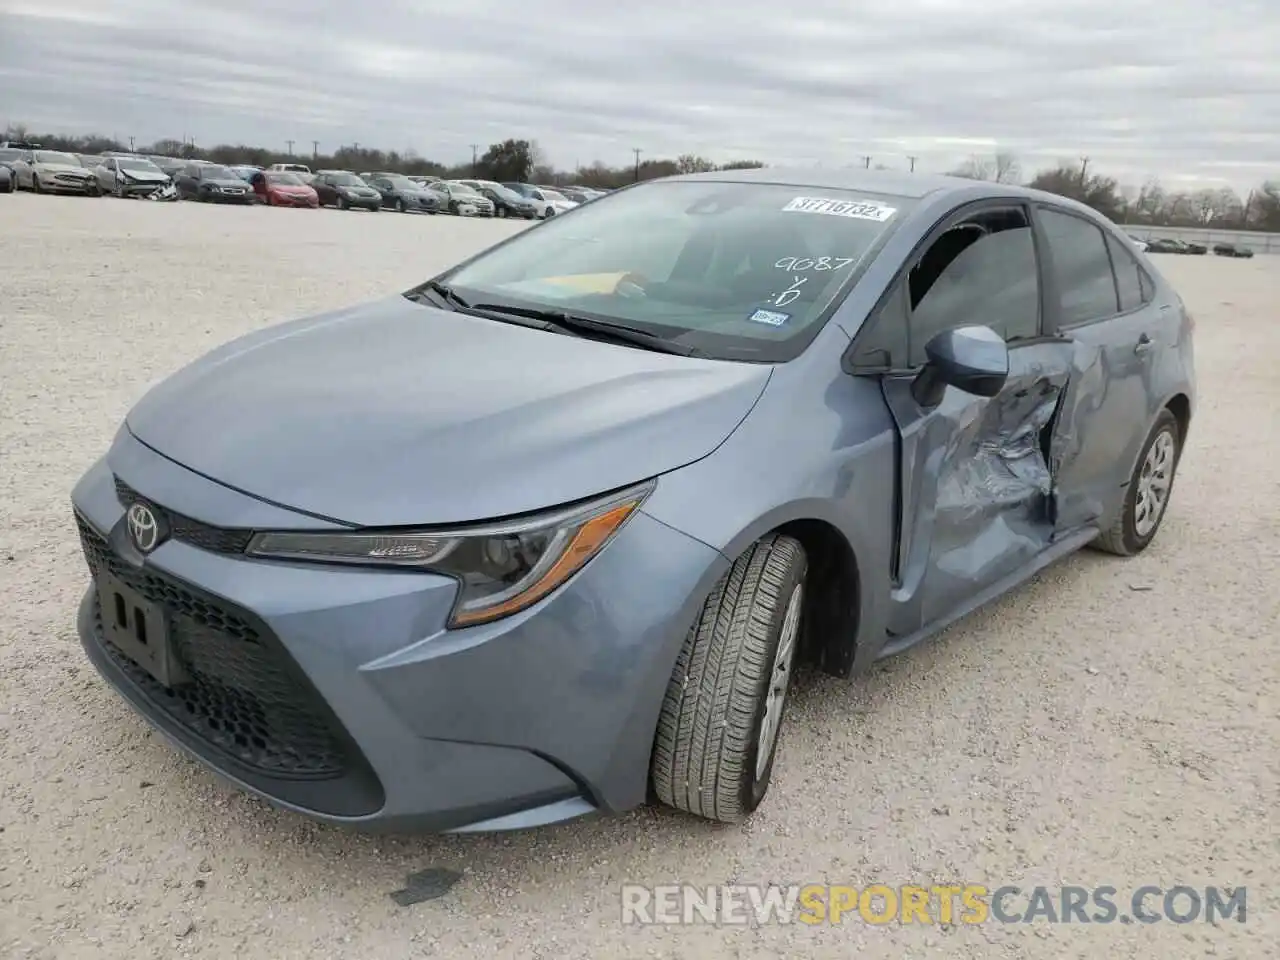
(975, 168)
(1006, 167)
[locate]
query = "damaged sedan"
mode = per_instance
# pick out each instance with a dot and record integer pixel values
(550, 533)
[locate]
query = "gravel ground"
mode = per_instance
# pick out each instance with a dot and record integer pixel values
(1111, 723)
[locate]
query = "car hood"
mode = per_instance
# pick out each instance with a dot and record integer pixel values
(394, 413)
(60, 168)
(145, 176)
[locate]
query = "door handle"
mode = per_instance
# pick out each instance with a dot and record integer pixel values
(1143, 345)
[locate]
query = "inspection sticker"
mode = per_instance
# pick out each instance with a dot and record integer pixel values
(772, 317)
(858, 209)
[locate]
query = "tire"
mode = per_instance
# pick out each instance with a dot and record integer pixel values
(1128, 536)
(400, 207)
(551, 212)
(453, 208)
(35, 183)
(342, 204)
(500, 213)
(708, 758)
(119, 191)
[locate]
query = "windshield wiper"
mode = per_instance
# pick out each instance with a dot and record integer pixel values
(442, 292)
(585, 326)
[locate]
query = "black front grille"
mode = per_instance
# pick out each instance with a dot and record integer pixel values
(245, 697)
(193, 532)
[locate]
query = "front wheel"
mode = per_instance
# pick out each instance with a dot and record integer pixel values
(1147, 496)
(501, 213)
(718, 731)
(35, 183)
(343, 204)
(400, 207)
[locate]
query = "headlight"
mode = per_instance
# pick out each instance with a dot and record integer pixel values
(502, 568)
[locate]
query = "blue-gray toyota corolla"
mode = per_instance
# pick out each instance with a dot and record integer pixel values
(548, 534)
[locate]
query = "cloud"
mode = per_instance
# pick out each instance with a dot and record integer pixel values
(1164, 87)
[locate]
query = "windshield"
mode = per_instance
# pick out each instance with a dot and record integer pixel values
(52, 156)
(509, 195)
(142, 166)
(463, 189)
(347, 180)
(553, 195)
(403, 183)
(738, 270)
(216, 173)
(283, 178)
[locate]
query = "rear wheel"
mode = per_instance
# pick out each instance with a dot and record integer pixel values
(35, 183)
(342, 204)
(501, 213)
(1147, 497)
(718, 731)
(400, 205)
(453, 208)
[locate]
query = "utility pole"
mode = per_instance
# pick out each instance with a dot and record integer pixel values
(315, 149)
(1084, 166)
(913, 163)
(866, 163)
(131, 144)
(474, 148)
(289, 143)
(637, 151)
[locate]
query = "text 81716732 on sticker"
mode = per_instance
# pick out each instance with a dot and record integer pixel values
(857, 209)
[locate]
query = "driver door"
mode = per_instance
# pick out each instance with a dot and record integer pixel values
(975, 487)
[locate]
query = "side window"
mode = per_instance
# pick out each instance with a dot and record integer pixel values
(1129, 280)
(1081, 266)
(979, 271)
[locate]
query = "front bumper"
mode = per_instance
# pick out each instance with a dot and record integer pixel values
(134, 188)
(58, 185)
(351, 702)
(210, 196)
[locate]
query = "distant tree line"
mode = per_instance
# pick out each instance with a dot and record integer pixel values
(1151, 204)
(522, 161)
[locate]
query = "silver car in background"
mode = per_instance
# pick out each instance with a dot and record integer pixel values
(52, 171)
(130, 176)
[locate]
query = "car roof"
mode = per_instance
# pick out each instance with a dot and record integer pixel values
(896, 183)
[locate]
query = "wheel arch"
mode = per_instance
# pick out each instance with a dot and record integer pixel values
(1180, 406)
(834, 607)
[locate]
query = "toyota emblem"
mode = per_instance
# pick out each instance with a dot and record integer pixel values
(144, 528)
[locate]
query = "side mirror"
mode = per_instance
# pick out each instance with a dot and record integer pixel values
(972, 359)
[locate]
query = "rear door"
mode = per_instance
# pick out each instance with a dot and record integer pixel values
(1104, 304)
(975, 485)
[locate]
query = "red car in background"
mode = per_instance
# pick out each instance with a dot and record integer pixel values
(280, 188)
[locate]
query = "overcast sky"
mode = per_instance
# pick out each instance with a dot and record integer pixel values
(1185, 89)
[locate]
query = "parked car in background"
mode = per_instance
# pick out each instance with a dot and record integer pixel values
(280, 188)
(245, 171)
(211, 183)
(170, 165)
(547, 202)
(8, 175)
(290, 167)
(464, 201)
(1232, 250)
(344, 190)
(1138, 242)
(89, 160)
(424, 179)
(579, 195)
(129, 176)
(402, 194)
(52, 171)
(506, 203)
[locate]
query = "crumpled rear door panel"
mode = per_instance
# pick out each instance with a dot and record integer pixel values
(977, 491)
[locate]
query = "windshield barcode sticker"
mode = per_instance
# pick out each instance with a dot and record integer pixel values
(858, 209)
